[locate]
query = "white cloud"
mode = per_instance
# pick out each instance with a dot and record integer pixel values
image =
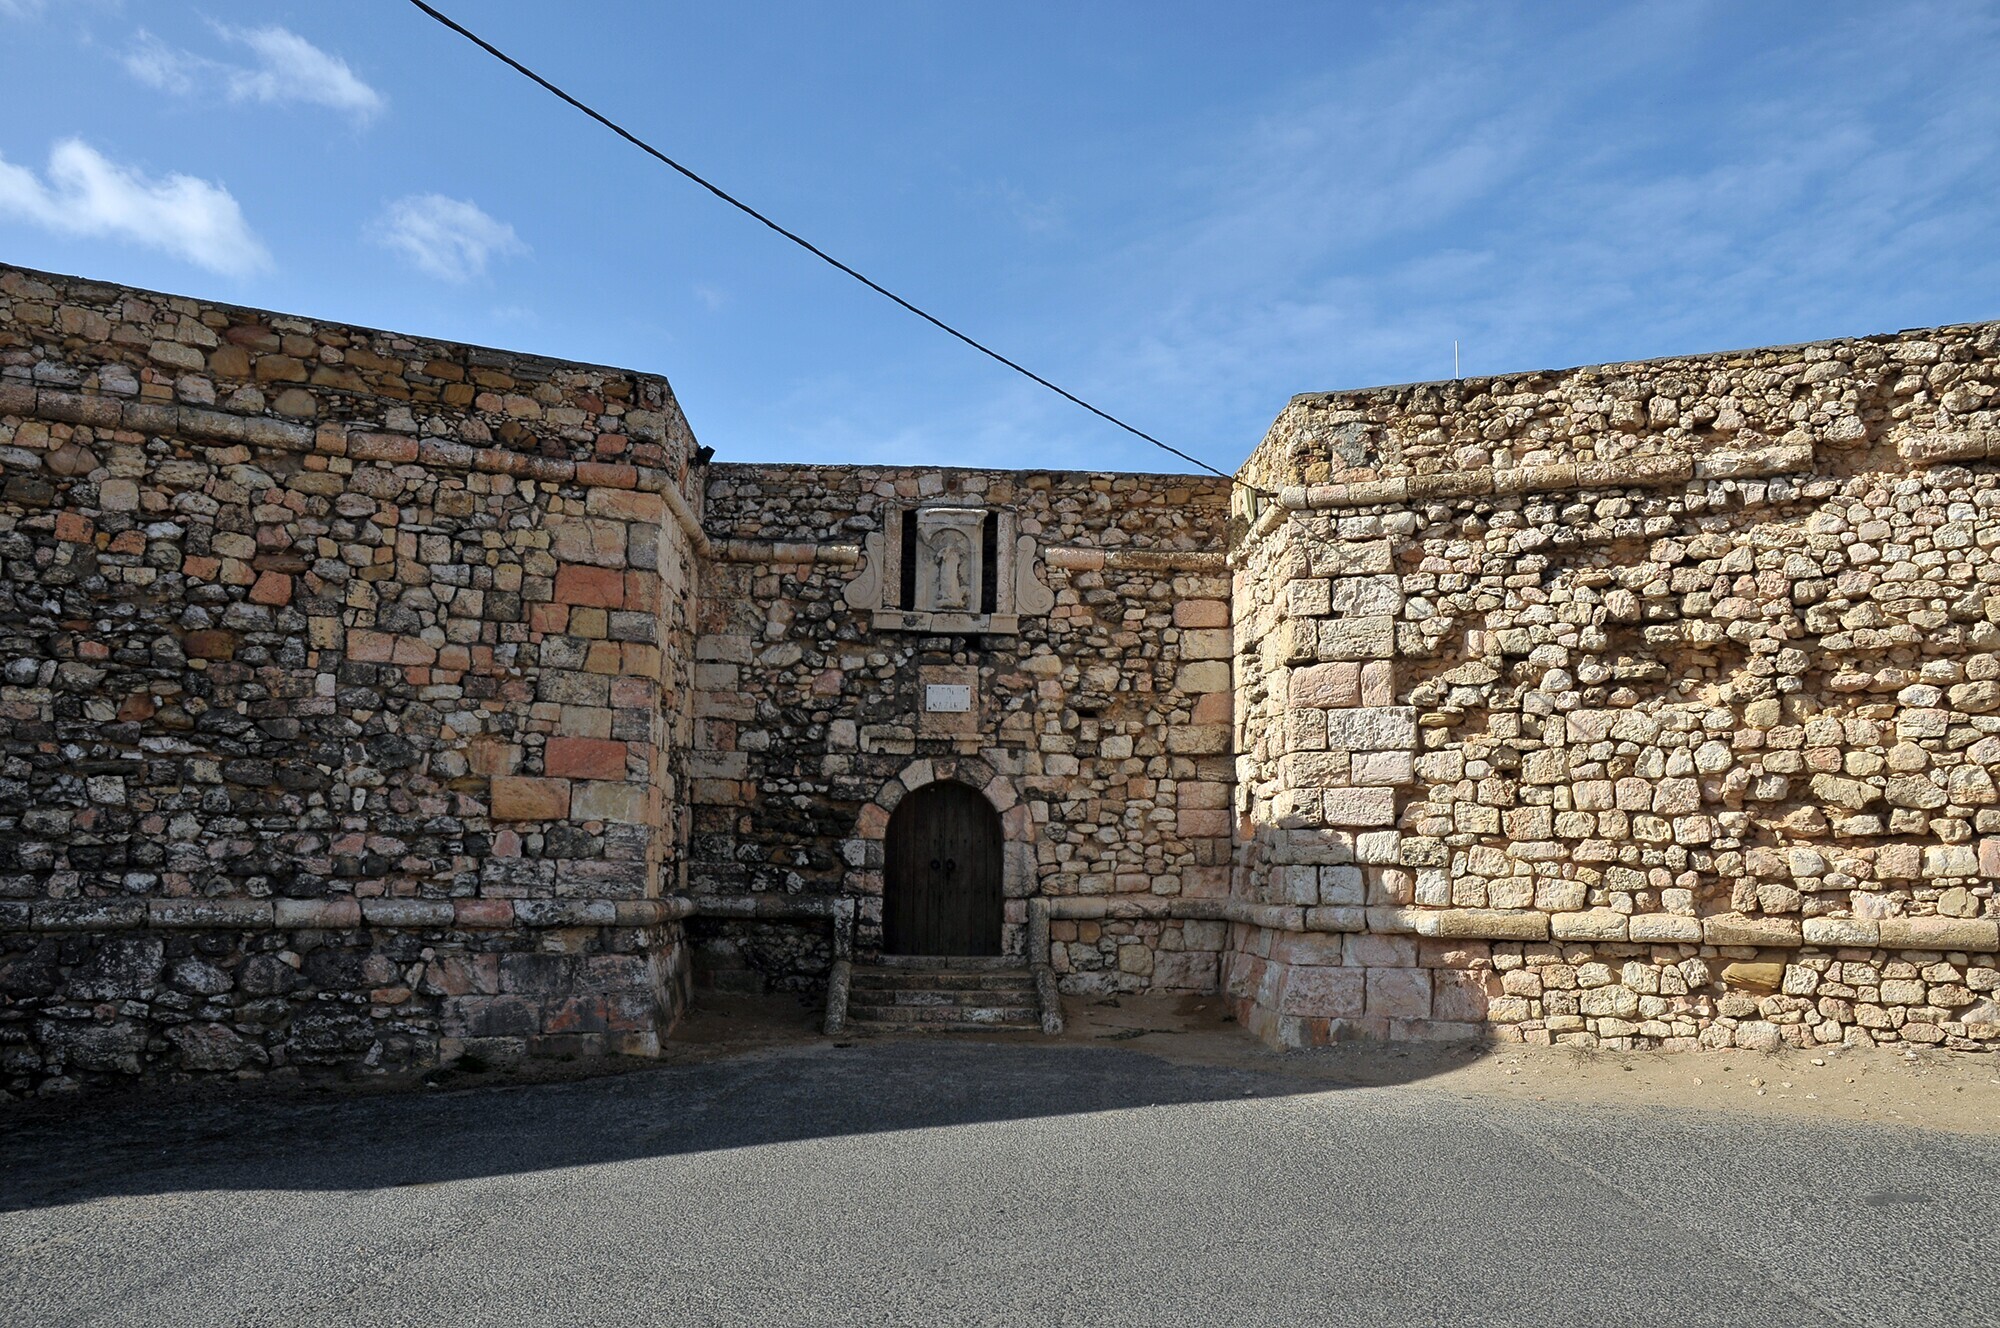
(285, 68)
(20, 8)
(449, 238)
(159, 65)
(290, 68)
(88, 195)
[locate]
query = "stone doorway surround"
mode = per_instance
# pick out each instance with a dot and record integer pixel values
(866, 851)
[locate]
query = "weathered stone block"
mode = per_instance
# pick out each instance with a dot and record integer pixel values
(1326, 685)
(1204, 676)
(1664, 929)
(522, 798)
(1600, 924)
(1738, 929)
(1372, 637)
(602, 800)
(1974, 934)
(1459, 996)
(585, 758)
(1399, 993)
(408, 912)
(1201, 613)
(1198, 739)
(1757, 977)
(1360, 807)
(1353, 558)
(1372, 728)
(1375, 951)
(602, 587)
(1325, 993)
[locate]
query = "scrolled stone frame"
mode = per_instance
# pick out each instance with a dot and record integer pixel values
(865, 853)
(1021, 591)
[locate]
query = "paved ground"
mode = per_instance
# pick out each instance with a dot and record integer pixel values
(918, 1182)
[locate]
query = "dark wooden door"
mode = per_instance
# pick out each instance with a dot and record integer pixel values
(941, 890)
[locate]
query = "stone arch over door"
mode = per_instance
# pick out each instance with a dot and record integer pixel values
(866, 852)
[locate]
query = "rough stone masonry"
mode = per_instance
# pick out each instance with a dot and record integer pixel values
(368, 703)
(1644, 705)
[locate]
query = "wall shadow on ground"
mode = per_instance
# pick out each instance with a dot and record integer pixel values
(797, 1091)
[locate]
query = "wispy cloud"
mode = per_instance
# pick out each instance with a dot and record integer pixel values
(1350, 236)
(1032, 214)
(283, 68)
(20, 8)
(87, 194)
(449, 238)
(1643, 180)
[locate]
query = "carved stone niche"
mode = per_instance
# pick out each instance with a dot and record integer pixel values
(946, 569)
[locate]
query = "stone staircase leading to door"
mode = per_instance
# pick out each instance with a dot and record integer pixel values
(912, 993)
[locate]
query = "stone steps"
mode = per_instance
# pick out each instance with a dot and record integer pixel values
(896, 980)
(941, 1018)
(1020, 994)
(932, 994)
(946, 963)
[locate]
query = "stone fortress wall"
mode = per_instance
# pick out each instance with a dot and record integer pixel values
(1099, 724)
(368, 703)
(1642, 705)
(344, 713)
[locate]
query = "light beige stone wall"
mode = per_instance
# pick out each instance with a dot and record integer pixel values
(1636, 705)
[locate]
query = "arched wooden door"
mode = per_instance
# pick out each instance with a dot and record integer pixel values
(941, 888)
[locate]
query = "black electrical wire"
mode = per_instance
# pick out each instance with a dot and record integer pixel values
(804, 243)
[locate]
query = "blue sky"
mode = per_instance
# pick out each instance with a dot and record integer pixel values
(1183, 212)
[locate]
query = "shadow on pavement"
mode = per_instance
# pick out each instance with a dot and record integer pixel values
(787, 1088)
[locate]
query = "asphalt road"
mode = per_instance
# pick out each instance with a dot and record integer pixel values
(920, 1182)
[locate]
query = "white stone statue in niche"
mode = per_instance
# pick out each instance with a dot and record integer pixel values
(949, 553)
(953, 555)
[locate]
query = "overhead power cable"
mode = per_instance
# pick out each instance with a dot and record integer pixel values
(804, 243)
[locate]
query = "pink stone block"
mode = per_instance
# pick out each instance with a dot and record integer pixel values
(370, 647)
(1399, 993)
(1200, 824)
(584, 758)
(273, 588)
(1323, 993)
(1378, 683)
(1458, 995)
(601, 587)
(1201, 613)
(1327, 685)
(1368, 950)
(484, 912)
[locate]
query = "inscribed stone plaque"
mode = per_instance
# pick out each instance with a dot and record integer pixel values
(947, 698)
